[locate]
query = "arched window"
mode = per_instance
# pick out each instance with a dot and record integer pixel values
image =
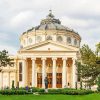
(59, 38)
(38, 38)
(69, 40)
(30, 40)
(49, 37)
(75, 42)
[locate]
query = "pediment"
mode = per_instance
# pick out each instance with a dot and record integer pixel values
(50, 46)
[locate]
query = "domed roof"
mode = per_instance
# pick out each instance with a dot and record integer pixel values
(51, 23)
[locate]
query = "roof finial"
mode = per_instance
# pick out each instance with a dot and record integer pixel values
(50, 15)
(50, 11)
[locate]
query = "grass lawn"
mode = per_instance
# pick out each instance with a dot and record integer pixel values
(51, 97)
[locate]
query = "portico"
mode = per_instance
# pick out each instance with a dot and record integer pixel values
(58, 71)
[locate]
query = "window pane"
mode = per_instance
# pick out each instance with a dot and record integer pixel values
(20, 67)
(20, 77)
(20, 71)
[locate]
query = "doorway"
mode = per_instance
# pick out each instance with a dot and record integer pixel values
(59, 80)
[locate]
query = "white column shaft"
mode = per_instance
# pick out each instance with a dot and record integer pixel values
(43, 72)
(24, 72)
(54, 72)
(64, 74)
(74, 76)
(9, 79)
(33, 72)
(1, 80)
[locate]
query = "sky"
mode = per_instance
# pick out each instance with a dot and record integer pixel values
(17, 16)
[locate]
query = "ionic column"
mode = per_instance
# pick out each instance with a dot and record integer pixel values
(24, 72)
(9, 79)
(9, 76)
(74, 76)
(64, 73)
(17, 73)
(33, 72)
(54, 73)
(1, 77)
(15, 78)
(43, 71)
(1, 80)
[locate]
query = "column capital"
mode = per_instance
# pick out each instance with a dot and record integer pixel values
(54, 58)
(64, 58)
(74, 58)
(33, 58)
(43, 58)
(24, 58)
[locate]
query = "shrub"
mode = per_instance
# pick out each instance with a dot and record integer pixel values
(34, 89)
(98, 83)
(14, 92)
(77, 92)
(68, 91)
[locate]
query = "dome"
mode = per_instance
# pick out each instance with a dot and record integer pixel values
(51, 29)
(50, 23)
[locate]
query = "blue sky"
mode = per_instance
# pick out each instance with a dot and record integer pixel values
(16, 16)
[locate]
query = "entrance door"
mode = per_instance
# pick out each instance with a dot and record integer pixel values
(39, 80)
(49, 76)
(59, 80)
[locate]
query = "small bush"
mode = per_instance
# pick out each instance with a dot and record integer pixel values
(34, 89)
(98, 83)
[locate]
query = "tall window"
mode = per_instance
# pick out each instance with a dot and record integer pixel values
(49, 37)
(20, 71)
(38, 38)
(30, 40)
(69, 40)
(75, 42)
(59, 39)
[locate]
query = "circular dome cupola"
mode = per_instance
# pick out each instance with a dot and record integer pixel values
(51, 29)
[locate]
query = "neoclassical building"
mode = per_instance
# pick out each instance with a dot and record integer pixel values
(47, 50)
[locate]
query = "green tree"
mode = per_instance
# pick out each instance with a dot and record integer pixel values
(98, 83)
(98, 53)
(88, 70)
(4, 59)
(98, 48)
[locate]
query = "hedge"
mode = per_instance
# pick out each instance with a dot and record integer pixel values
(34, 89)
(50, 91)
(14, 92)
(68, 92)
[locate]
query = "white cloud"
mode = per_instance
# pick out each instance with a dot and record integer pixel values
(21, 18)
(4, 36)
(19, 15)
(71, 22)
(12, 50)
